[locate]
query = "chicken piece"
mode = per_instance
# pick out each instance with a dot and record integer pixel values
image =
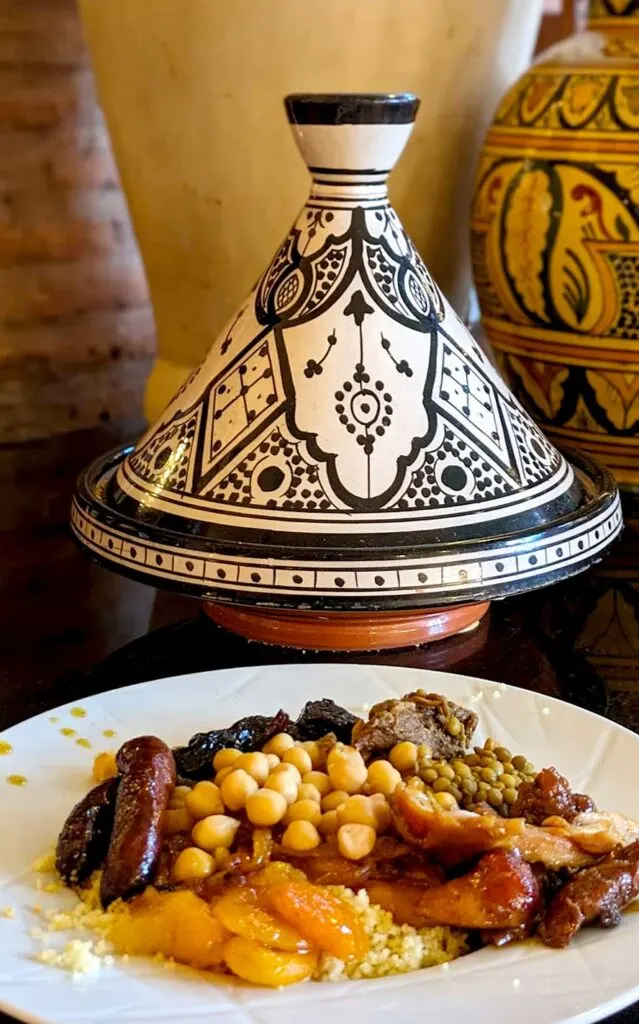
(445, 727)
(423, 822)
(596, 832)
(549, 795)
(455, 836)
(541, 846)
(598, 893)
(401, 899)
(501, 891)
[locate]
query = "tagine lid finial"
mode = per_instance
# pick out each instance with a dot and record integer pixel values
(346, 443)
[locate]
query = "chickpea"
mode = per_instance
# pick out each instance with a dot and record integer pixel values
(309, 792)
(315, 753)
(383, 777)
(355, 841)
(284, 783)
(279, 744)
(104, 766)
(265, 808)
(204, 799)
(273, 761)
(446, 800)
(223, 774)
(191, 864)
(256, 765)
(176, 820)
(284, 766)
(298, 757)
(382, 811)
(304, 810)
(329, 824)
(215, 831)
(225, 758)
(236, 787)
(332, 801)
(403, 756)
(178, 796)
(320, 780)
(346, 769)
(357, 810)
(301, 836)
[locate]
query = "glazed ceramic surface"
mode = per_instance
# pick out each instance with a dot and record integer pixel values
(526, 982)
(191, 92)
(556, 239)
(346, 443)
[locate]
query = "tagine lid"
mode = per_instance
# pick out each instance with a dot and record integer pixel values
(346, 443)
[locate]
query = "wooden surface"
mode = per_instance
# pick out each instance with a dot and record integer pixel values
(76, 330)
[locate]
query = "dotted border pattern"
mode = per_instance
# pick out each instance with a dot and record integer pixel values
(441, 574)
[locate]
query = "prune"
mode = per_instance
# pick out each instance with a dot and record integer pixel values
(194, 760)
(84, 839)
(319, 717)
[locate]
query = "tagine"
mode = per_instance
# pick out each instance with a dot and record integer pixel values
(346, 469)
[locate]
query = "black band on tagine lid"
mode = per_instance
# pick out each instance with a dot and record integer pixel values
(346, 444)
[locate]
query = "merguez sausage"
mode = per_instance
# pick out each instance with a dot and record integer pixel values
(147, 779)
(85, 835)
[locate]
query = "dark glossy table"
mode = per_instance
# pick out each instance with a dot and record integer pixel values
(69, 629)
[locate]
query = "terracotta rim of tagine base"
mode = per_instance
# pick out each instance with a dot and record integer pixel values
(344, 631)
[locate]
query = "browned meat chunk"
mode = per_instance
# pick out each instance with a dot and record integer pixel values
(549, 795)
(451, 836)
(596, 894)
(419, 717)
(501, 891)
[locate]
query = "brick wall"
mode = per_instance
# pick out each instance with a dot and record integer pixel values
(76, 330)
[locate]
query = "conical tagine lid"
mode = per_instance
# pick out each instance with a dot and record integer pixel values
(346, 443)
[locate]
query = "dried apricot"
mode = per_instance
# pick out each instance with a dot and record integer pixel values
(322, 918)
(239, 912)
(262, 966)
(175, 924)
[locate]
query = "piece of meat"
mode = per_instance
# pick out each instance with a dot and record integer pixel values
(549, 795)
(539, 845)
(455, 835)
(598, 893)
(596, 832)
(420, 718)
(147, 779)
(401, 899)
(84, 839)
(501, 891)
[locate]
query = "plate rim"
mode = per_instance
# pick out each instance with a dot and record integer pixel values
(597, 1013)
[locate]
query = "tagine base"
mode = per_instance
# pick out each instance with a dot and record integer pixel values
(345, 631)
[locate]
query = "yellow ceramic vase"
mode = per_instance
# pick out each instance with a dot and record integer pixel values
(192, 93)
(555, 236)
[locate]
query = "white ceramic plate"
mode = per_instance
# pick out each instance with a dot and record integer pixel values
(528, 984)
